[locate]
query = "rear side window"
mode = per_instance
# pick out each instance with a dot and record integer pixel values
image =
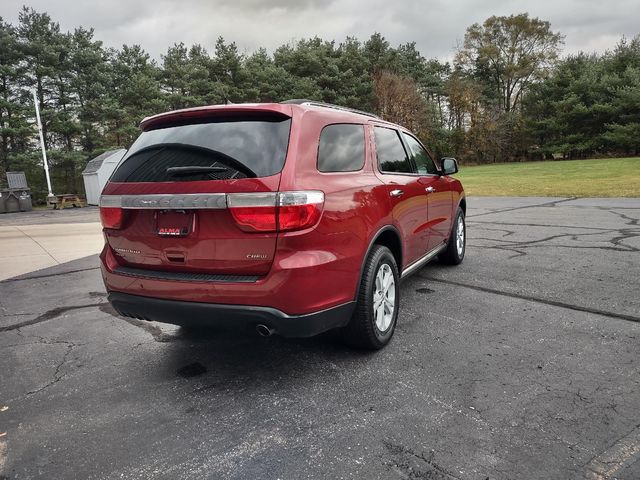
(341, 148)
(216, 150)
(421, 158)
(392, 157)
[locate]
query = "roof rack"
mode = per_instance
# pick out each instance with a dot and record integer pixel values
(304, 101)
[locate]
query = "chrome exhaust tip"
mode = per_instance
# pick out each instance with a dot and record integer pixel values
(264, 331)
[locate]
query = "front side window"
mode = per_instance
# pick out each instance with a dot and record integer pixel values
(341, 148)
(216, 150)
(421, 158)
(392, 157)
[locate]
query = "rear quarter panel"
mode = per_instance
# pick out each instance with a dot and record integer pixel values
(356, 207)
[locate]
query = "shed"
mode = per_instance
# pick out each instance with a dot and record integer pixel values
(97, 173)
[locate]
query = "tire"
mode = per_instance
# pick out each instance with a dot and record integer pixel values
(454, 252)
(367, 328)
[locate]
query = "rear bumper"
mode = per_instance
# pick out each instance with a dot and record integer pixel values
(298, 283)
(231, 316)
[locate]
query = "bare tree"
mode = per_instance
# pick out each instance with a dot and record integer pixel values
(399, 101)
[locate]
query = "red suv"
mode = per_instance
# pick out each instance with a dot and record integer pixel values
(291, 218)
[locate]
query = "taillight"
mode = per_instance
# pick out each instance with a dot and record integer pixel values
(255, 219)
(111, 217)
(270, 212)
(253, 212)
(298, 210)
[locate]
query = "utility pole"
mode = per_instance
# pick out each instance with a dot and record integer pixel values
(51, 198)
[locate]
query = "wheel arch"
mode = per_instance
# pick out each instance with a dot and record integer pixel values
(388, 236)
(463, 205)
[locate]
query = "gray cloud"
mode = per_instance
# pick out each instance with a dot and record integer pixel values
(435, 25)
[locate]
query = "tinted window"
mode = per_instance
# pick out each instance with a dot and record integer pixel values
(207, 151)
(420, 156)
(391, 154)
(341, 148)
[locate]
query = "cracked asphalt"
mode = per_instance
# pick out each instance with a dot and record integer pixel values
(520, 363)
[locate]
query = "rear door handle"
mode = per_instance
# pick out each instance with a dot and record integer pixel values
(396, 193)
(430, 189)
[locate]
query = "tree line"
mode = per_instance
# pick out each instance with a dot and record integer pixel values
(506, 96)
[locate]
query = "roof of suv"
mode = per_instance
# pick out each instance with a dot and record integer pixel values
(284, 108)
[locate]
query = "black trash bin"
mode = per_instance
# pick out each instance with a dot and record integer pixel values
(12, 202)
(3, 196)
(24, 201)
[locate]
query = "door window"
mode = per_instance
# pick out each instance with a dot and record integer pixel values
(392, 157)
(423, 161)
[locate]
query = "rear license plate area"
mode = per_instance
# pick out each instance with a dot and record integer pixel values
(174, 223)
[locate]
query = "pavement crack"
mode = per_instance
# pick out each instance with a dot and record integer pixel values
(546, 204)
(518, 253)
(48, 315)
(630, 220)
(507, 233)
(36, 277)
(40, 340)
(473, 222)
(570, 247)
(530, 298)
(615, 243)
(404, 452)
(37, 243)
(57, 375)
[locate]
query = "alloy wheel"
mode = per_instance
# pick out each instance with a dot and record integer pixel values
(384, 297)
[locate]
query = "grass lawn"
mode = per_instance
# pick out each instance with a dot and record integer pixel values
(609, 177)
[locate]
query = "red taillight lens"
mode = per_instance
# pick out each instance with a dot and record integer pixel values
(296, 217)
(253, 212)
(111, 217)
(270, 212)
(299, 210)
(255, 219)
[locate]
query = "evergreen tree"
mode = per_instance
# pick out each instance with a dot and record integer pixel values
(505, 97)
(14, 127)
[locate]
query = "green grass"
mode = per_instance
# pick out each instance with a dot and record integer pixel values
(609, 177)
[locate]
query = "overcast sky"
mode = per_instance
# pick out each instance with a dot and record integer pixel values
(435, 25)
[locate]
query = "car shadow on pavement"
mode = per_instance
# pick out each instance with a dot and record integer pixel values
(211, 357)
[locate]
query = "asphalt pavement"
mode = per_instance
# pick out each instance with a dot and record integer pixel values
(523, 362)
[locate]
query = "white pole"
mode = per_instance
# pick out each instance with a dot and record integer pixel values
(44, 151)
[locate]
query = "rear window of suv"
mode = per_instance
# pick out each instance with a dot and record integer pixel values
(216, 150)
(341, 148)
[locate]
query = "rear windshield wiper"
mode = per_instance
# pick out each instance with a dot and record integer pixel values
(193, 169)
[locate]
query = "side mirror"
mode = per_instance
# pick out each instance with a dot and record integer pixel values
(448, 166)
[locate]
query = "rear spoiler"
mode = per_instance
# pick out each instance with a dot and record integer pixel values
(190, 114)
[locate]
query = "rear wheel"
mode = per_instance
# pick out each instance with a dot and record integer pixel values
(374, 320)
(457, 244)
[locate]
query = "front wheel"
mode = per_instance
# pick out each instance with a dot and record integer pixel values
(457, 244)
(374, 320)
